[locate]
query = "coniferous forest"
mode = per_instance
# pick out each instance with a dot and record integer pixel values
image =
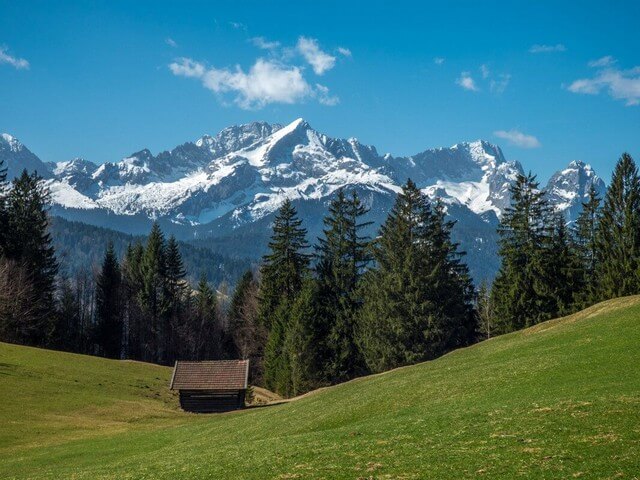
(319, 311)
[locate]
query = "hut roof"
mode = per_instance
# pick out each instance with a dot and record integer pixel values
(210, 375)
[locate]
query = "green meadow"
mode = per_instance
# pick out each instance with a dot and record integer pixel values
(558, 400)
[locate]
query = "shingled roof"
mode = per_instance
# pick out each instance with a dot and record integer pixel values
(210, 375)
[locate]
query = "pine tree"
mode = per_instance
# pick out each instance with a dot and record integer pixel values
(132, 312)
(562, 270)
(29, 243)
(300, 342)
(283, 271)
(174, 291)
(523, 232)
(151, 296)
(285, 266)
(109, 324)
(450, 289)
(343, 254)
(417, 299)
(618, 239)
(205, 335)
(585, 244)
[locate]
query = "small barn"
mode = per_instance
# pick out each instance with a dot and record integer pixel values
(211, 386)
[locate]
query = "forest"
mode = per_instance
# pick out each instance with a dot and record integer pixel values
(316, 314)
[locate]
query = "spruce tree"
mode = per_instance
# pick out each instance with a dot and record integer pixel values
(342, 253)
(450, 289)
(417, 299)
(516, 291)
(585, 244)
(282, 272)
(618, 239)
(29, 243)
(205, 334)
(132, 312)
(109, 324)
(151, 296)
(174, 291)
(286, 264)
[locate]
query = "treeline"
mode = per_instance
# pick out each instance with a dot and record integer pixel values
(549, 269)
(318, 315)
(140, 307)
(79, 245)
(356, 306)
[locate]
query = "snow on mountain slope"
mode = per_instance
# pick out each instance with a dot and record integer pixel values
(569, 188)
(229, 182)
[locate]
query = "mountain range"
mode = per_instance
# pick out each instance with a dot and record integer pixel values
(222, 191)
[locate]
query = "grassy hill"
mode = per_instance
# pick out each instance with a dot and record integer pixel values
(559, 400)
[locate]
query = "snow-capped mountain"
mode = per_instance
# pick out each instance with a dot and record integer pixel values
(568, 189)
(225, 189)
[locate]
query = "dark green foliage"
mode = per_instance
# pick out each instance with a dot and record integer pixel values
(618, 239)
(80, 246)
(109, 325)
(4, 215)
(286, 264)
(203, 335)
(417, 300)
(343, 254)
(586, 248)
(27, 242)
(520, 294)
(283, 271)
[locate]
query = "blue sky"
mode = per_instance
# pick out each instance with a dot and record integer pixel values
(549, 82)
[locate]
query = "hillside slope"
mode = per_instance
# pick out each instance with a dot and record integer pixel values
(559, 400)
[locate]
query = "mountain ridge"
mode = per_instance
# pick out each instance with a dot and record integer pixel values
(233, 183)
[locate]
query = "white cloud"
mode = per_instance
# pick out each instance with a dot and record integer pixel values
(484, 70)
(324, 97)
(517, 138)
(547, 48)
(619, 84)
(602, 62)
(266, 82)
(499, 85)
(467, 82)
(171, 42)
(18, 63)
(320, 61)
(238, 25)
(438, 60)
(185, 67)
(264, 44)
(344, 51)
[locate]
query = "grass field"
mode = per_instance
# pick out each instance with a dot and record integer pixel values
(560, 400)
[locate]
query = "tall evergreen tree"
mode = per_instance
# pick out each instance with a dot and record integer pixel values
(205, 332)
(151, 296)
(282, 272)
(132, 313)
(286, 264)
(618, 260)
(174, 292)
(342, 253)
(417, 299)
(516, 292)
(29, 243)
(109, 324)
(585, 243)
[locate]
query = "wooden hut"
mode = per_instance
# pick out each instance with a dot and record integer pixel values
(211, 386)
